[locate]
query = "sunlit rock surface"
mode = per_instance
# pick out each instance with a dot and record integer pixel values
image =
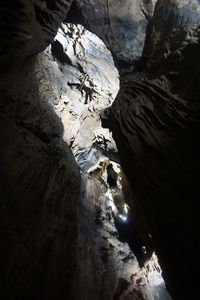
(81, 86)
(78, 77)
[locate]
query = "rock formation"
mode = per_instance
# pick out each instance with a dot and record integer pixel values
(120, 24)
(155, 122)
(39, 179)
(66, 232)
(107, 268)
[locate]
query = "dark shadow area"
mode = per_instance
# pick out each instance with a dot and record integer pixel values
(122, 286)
(58, 53)
(51, 4)
(39, 237)
(128, 234)
(112, 176)
(74, 15)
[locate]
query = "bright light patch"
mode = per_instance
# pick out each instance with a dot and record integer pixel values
(126, 208)
(110, 201)
(123, 218)
(144, 250)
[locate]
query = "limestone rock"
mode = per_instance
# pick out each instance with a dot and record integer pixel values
(120, 24)
(27, 28)
(155, 123)
(56, 244)
(79, 89)
(107, 266)
(117, 274)
(39, 179)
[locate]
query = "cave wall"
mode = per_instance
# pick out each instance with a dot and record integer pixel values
(28, 26)
(110, 263)
(120, 24)
(155, 121)
(39, 179)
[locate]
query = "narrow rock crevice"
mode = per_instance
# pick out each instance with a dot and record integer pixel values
(99, 156)
(107, 238)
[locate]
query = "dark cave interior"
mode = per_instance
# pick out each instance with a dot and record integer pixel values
(84, 85)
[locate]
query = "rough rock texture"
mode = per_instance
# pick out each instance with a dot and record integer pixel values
(117, 274)
(55, 244)
(120, 24)
(39, 179)
(78, 75)
(155, 122)
(80, 86)
(28, 26)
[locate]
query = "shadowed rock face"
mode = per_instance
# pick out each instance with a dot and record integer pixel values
(39, 179)
(155, 121)
(27, 27)
(120, 24)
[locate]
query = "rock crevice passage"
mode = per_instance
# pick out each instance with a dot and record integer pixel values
(64, 222)
(106, 235)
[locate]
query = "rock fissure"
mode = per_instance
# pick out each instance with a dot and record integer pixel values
(74, 225)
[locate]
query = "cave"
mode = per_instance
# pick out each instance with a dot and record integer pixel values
(99, 151)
